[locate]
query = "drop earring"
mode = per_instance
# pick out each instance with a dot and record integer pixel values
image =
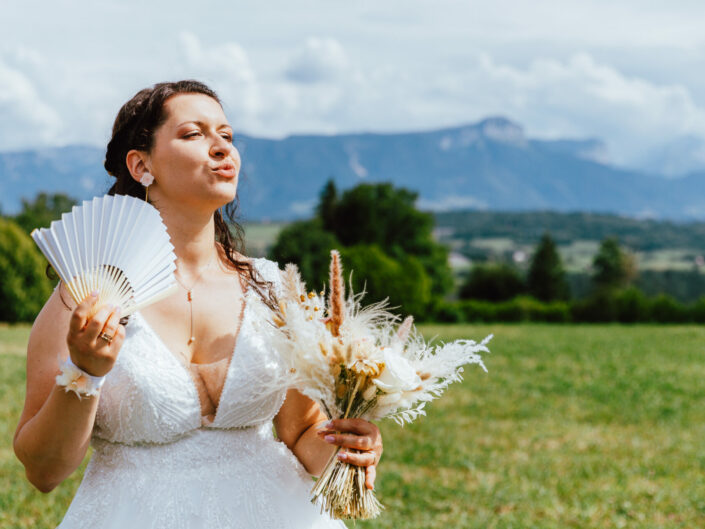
(146, 180)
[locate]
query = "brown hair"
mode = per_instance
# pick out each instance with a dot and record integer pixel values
(134, 128)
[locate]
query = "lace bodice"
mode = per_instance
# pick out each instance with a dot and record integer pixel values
(155, 465)
(150, 396)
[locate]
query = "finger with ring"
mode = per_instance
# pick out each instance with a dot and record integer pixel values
(360, 459)
(110, 329)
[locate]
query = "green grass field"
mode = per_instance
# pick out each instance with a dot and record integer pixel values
(573, 426)
(259, 237)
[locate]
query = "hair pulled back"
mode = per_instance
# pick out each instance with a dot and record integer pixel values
(134, 128)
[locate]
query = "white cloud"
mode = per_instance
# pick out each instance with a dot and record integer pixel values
(228, 59)
(318, 60)
(315, 90)
(575, 97)
(578, 97)
(41, 106)
(618, 71)
(28, 121)
(226, 68)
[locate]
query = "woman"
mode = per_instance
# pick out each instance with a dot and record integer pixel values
(182, 427)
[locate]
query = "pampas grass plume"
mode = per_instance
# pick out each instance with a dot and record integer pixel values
(337, 293)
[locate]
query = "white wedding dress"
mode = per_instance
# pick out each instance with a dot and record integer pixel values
(156, 465)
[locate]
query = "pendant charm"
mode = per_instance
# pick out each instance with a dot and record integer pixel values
(191, 340)
(189, 295)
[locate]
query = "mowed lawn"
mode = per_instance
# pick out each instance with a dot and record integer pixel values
(573, 426)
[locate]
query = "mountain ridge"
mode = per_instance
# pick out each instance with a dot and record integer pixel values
(491, 164)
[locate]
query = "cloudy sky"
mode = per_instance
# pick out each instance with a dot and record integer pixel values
(631, 72)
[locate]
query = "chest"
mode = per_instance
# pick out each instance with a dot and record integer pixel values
(200, 325)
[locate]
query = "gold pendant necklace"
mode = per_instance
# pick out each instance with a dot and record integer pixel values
(189, 298)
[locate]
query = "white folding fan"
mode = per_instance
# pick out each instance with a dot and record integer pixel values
(117, 245)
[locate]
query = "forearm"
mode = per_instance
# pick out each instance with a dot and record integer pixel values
(313, 452)
(53, 443)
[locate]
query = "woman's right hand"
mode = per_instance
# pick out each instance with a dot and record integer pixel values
(94, 355)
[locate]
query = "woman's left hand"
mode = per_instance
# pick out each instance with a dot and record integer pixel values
(360, 435)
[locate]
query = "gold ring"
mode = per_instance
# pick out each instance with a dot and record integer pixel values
(106, 337)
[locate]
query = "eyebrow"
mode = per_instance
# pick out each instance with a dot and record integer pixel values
(203, 124)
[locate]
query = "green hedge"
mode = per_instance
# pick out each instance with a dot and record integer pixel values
(626, 306)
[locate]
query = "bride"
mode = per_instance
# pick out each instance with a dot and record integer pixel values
(186, 431)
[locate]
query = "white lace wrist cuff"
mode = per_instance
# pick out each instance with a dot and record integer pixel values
(73, 378)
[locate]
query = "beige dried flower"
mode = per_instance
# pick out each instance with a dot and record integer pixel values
(337, 294)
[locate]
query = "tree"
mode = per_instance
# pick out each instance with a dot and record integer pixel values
(385, 216)
(42, 210)
(24, 287)
(403, 281)
(498, 282)
(546, 279)
(308, 245)
(435, 263)
(612, 268)
(369, 215)
(327, 202)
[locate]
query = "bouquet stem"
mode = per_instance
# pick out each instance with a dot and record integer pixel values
(341, 487)
(342, 492)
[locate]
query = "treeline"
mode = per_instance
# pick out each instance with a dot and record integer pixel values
(528, 227)
(685, 286)
(24, 285)
(500, 292)
(389, 246)
(627, 306)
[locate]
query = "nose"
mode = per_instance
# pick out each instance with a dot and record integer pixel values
(221, 147)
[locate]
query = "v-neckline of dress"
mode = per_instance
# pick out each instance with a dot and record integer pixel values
(185, 369)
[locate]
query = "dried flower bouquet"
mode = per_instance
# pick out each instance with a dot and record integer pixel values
(356, 362)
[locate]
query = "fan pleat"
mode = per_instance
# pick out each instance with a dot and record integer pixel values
(117, 245)
(65, 241)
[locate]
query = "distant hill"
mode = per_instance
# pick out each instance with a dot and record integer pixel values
(526, 228)
(77, 171)
(490, 165)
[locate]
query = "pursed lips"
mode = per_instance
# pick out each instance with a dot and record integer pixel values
(226, 170)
